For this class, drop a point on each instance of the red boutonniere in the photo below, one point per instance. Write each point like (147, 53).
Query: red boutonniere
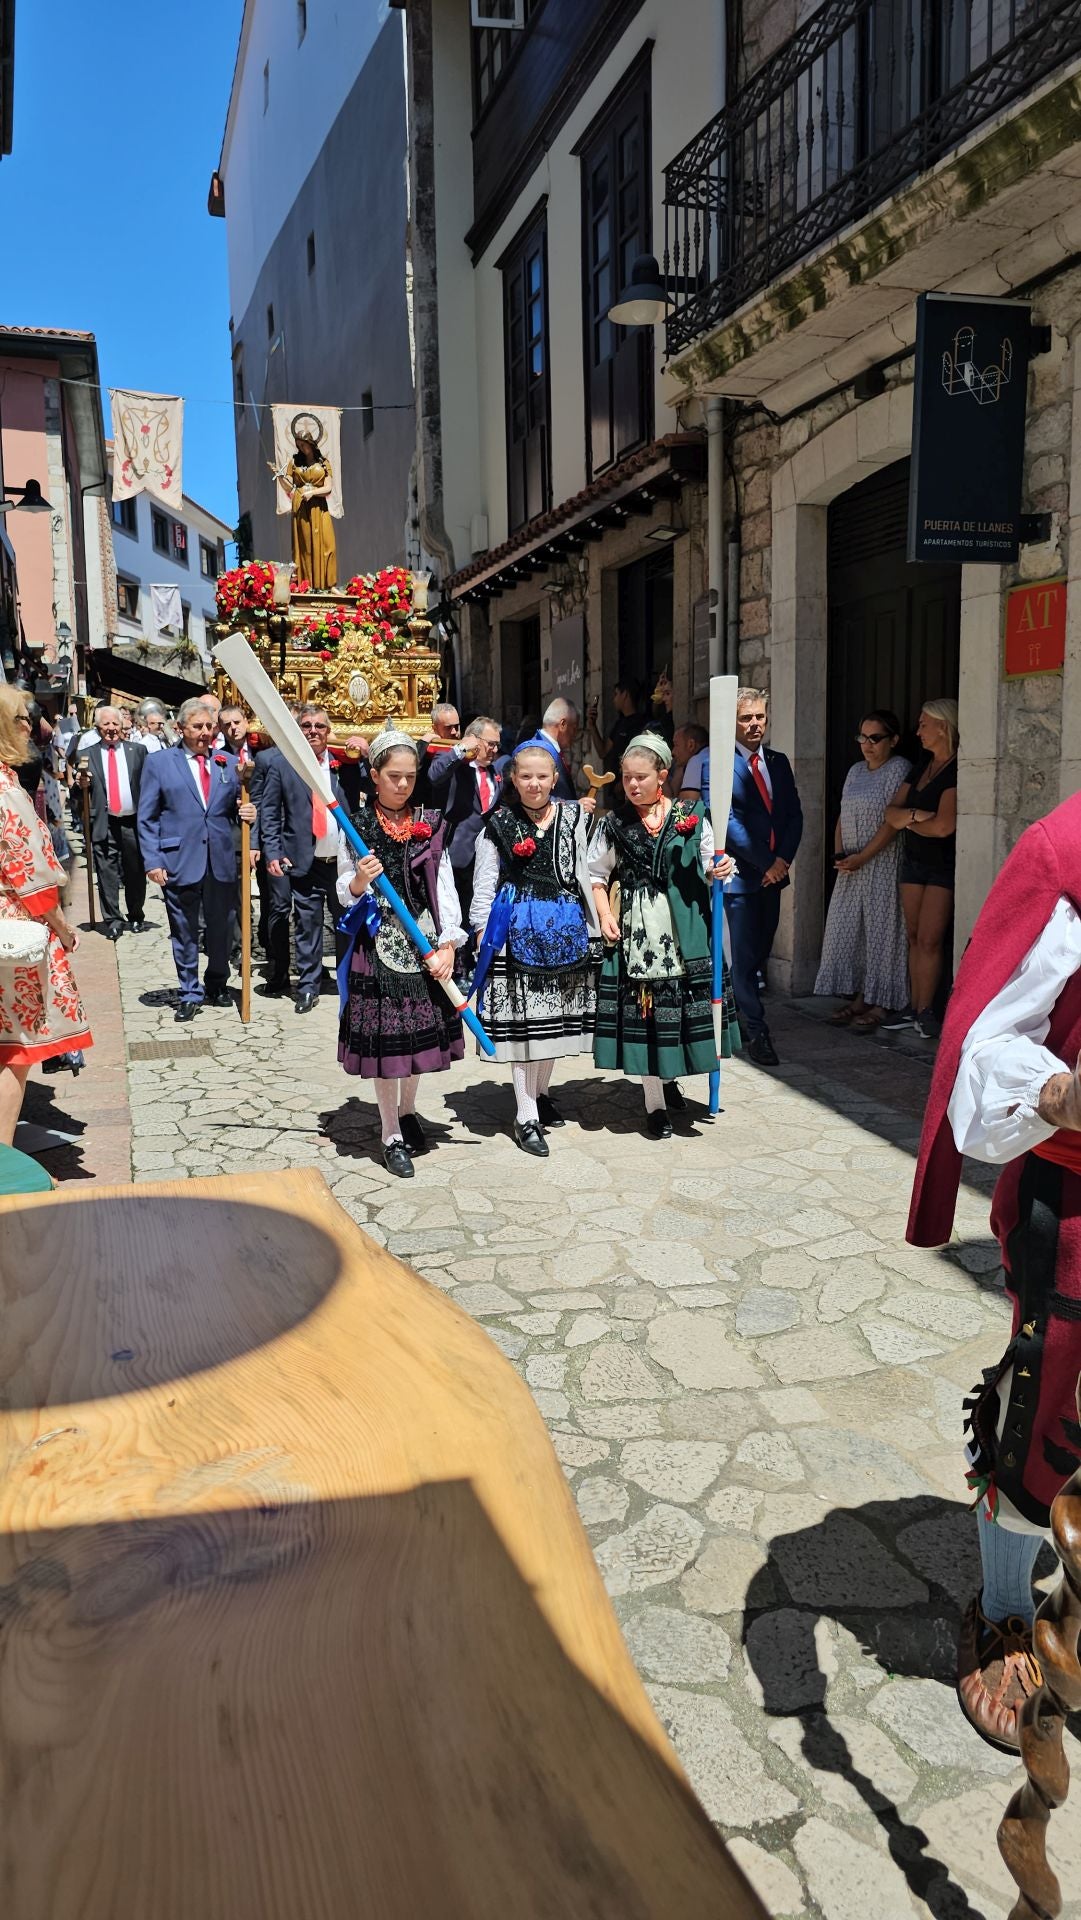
(421, 830)
(687, 824)
(525, 849)
(221, 759)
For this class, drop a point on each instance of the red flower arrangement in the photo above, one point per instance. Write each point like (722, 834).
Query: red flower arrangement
(421, 830)
(525, 849)
(245, 589)
(688, 824)
(384, 593)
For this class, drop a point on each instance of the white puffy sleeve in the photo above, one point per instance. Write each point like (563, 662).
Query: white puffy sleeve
(1004, 1063)
(347, 866)
(602, 855)
(581, 870)
(451, 931)
(708, 845)
(485, 881)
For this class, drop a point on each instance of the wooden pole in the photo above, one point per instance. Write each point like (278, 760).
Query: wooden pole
(84, 767)
(244, 775)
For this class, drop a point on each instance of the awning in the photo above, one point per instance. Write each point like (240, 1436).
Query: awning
(120, 675)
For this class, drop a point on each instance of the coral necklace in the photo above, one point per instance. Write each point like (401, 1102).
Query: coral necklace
(396, 826)
(651, 827)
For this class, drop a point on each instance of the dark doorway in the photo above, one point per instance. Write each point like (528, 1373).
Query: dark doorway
(894, 626)
(645, 620)
(520, 650)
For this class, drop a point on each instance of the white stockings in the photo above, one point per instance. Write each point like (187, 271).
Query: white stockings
(654, 1092)
(387, 1094)
(524, 1078)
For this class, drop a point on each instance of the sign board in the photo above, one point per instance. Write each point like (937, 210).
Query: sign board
(1035, 639)
(566, 669)
(968, 429)
(700, 649)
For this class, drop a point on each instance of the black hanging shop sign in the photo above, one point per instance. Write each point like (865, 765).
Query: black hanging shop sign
(968, 428)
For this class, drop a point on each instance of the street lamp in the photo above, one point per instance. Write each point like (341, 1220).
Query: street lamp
(30, 499)
(63, 637)
(646, 299)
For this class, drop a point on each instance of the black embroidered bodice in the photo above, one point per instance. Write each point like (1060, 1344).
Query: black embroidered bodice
(553, 867)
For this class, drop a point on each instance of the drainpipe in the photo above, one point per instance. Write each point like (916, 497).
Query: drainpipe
(731, 633)
(715, 526)
(434, 538)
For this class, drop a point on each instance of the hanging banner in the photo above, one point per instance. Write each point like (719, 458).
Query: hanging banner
(567, 658)
(308, 438)
(968, 429)
(148, 432)
(167, 609)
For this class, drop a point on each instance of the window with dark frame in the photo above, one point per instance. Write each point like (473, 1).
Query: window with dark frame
(122, 515)
(616, 227)
(311, 253)
(527, 378)
(127, 598)
(492, 49)
(159, 531)
(208, 560)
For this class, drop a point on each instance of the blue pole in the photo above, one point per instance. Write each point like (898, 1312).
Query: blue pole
(717, 946)
(397, 906)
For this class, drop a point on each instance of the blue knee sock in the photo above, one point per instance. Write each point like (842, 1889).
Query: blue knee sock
(1008, 1560)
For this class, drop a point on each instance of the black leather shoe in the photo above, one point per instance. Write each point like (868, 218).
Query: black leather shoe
(763, 1052)
(550, 1115)
(138, 926)
(187, 1010)
(528, 1136)
(306, 1001)
(658, 1125)
(115, 931)
(413, 1133)
(273, 989)
(674, 1097)
(221, 999)
(396, 1160)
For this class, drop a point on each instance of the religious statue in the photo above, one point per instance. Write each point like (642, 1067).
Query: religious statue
(309, 481)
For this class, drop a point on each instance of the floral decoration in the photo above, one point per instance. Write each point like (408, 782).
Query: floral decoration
(687, 823)
(421, 830)
(382, 602)
(525, 849)
(384, 593)
(245, 589)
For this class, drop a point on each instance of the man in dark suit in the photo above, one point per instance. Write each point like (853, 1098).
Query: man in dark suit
(299, 842)
(188, 803)
(465, 786)
(765, 827)
(114, 772)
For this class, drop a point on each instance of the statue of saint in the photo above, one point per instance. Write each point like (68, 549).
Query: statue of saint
(309, 483)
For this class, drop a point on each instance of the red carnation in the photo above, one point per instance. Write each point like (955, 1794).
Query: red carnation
(421, 830)
(687, 824)
(221, 760)
(525, 849)
(325, 654)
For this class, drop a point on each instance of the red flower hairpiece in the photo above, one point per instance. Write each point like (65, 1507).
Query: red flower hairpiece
(421, 830)
(525, 849)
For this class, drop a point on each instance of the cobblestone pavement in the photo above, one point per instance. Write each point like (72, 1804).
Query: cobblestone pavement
(753, 1386)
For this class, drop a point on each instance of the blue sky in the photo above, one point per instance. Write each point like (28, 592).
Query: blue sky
(119, 112)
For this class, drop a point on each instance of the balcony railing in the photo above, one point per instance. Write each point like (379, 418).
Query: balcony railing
(867, 96)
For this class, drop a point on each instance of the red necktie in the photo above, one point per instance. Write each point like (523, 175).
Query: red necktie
(204, 778)
(485, 785)
(112, 780)
(319, 817)
(760, 782)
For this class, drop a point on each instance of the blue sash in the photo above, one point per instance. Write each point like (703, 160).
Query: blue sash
(363, 916)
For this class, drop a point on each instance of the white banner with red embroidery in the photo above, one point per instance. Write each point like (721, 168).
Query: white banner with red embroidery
(148, 432)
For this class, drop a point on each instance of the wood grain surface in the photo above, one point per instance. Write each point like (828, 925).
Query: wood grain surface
(297, 1618)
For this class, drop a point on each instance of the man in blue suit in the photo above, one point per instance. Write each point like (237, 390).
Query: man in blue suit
(301, 861)
(465, 786)
(765, 827)
(188, 802)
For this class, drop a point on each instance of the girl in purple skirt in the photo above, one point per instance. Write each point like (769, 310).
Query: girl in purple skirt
(396, 1021)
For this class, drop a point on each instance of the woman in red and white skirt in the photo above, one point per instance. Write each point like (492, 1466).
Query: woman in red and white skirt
(41, 1014)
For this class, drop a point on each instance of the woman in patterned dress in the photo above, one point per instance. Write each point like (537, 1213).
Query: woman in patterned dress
(41, 1015)
(397, 1022)
(864, 950)
(654, 1002)
(537, 935)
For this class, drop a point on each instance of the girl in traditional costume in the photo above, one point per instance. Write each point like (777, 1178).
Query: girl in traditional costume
(396, 1022)
(538, 937)
(650, 863)
(41, 1014)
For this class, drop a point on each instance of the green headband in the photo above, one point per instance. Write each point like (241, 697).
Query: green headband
(649, 743)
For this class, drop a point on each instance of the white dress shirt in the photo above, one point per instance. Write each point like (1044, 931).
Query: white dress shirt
(153, 742)
(763, 768)
(326, 846)
(127, 803)
(1004, 1063)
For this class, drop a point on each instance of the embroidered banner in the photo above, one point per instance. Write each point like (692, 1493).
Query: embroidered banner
(148, 431)
(322, 428)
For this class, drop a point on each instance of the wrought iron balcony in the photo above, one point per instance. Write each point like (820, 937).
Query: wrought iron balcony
(866, 97)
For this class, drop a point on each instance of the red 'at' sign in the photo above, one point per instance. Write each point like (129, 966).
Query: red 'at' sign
(1035, 628)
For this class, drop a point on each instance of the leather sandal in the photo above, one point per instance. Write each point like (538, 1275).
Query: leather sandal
(997, 1671)
(844, 1014)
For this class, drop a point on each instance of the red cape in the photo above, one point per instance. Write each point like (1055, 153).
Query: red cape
(1044, 865)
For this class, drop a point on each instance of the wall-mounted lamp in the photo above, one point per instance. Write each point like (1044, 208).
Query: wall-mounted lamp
(30, 499)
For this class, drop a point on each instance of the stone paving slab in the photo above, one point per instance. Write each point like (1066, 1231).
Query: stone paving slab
(753, 1386)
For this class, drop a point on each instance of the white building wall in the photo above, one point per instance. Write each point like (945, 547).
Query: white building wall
(137, 559)
(687, 68)
(267, 154)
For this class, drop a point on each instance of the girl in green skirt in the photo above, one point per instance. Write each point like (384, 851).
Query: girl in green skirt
(650, 863)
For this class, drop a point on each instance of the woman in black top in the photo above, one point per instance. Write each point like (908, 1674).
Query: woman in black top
(925, 814)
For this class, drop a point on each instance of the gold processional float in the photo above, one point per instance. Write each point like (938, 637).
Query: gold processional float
(361, 651)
